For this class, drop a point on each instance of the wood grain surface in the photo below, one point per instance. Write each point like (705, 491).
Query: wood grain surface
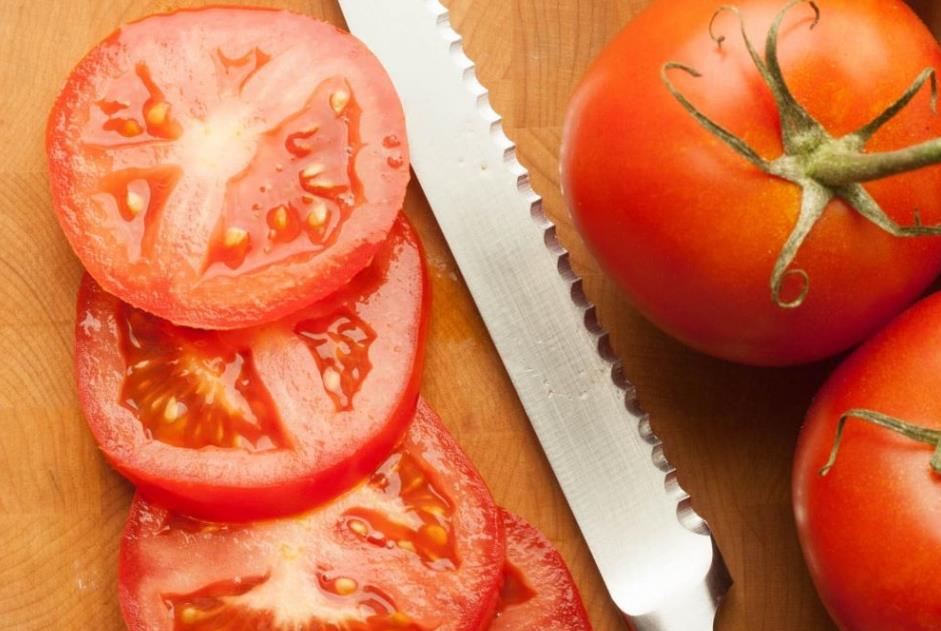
(730, 430)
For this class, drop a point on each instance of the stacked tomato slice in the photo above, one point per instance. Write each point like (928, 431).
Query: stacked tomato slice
(262, 421)
(532, 561)
(401, 551)
(250, 337)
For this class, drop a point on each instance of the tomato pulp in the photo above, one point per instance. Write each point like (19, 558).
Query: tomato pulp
(692, 231)
(234, 425)
(419, 546)
(871, 526)
(538, 593)
(224, 167)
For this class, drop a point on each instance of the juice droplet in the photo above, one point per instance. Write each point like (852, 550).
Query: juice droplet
(395, 160)
(390, 142)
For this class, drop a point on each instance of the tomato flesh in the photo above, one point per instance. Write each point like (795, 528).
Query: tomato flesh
(191, 389)
(340, 345)
(515, 591)
(430, 537)
(223, 167)
(538, 593)
(242, 424)
(419, 546)
(312, 192)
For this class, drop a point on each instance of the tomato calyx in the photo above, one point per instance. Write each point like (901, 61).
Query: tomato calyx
(920, 434)
(823, 166)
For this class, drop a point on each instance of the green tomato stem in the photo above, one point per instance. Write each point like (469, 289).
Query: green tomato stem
(919, 434)
(839, 168)
(823, 167)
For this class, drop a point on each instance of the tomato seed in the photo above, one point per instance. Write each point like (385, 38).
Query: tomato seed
(344, 586)
(339, 100)
(157, 114)
(234, 237)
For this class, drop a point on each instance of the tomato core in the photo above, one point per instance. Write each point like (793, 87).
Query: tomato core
(297, 188)
(217, 607)
(418, 520)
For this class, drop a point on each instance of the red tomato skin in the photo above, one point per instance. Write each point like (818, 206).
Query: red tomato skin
(871, 528)
(479, 521)
(264, 485)
(178, 292)
(690, 231)
(556, 604)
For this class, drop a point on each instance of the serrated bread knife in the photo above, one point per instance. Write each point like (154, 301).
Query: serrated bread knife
(657, 557)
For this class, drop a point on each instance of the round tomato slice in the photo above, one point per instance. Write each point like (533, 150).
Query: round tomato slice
(224, 167)
(538, 593)
(234, 425)
(418, 546)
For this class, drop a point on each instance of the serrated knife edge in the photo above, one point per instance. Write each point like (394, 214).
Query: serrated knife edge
(689, 569)
(686, 515)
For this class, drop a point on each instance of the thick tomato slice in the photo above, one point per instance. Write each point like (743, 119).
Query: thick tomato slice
(224, 167)
(418, 546)
(234, 425)
(538, 593)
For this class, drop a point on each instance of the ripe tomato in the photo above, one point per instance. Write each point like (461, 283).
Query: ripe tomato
(692, 231)
(538, 593)
(418, 547)
(240, 424)
(871, 527)
(224, 167)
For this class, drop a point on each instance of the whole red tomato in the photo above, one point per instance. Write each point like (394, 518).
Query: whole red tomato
(871, 527)
(701, 235)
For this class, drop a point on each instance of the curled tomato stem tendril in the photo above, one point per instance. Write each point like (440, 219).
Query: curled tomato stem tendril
(919, 434)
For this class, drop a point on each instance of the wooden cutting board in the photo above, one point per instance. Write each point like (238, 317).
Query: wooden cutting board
(730, 430)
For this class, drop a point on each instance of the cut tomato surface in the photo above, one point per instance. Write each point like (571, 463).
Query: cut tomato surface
(234, 425)
(418, 546)
(538, 592)
(224, 167)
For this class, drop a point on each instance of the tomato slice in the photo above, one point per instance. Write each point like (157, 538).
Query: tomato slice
(234, 425)
(224, 167)
(418, 546)
(538, 593)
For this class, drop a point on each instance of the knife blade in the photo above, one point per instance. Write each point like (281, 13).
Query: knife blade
(655, 554)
